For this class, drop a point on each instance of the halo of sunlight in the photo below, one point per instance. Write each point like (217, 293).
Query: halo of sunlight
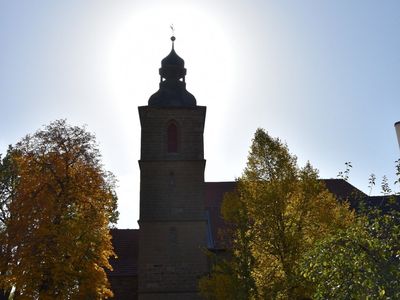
(136, 48)
(143, 40)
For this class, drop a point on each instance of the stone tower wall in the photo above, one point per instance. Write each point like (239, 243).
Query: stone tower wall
(172, 220)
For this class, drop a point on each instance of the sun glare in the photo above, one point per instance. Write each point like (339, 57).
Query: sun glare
(143, 40)
(136, 49)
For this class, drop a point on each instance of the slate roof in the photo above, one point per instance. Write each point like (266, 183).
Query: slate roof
(126, 247)
(342, 189)
(214, 194)
(345, 191)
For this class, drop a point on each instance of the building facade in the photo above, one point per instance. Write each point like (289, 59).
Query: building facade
(172, 234)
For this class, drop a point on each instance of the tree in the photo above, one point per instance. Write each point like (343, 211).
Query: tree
(278, 213)
(8, 180)
(59, 214)
(231, 278)
(360, 262)
(363, 260)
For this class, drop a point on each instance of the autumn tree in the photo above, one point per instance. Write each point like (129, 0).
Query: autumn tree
(8, 180)
(279, 211)
(58, 215)
(232, 278)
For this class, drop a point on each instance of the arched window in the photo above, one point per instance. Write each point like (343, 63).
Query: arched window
(172, 137)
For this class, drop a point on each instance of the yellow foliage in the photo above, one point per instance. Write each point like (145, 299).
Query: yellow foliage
(219, 287)
(58, 228)
(279, 211)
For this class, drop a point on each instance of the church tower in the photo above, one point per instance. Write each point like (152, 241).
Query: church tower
(172, 218)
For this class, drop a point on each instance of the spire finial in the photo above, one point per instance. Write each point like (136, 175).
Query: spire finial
(173, 34)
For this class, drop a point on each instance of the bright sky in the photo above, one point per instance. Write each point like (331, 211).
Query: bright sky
(324, 76)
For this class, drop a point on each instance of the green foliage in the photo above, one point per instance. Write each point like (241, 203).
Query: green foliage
(363, 260)
(345, 174)
(371, 182)
(57, 203)
(360, 262)
(397, 171)
(386, 190)
(225, 280)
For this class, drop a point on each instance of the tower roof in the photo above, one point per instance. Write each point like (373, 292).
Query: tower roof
(172, 59)
(172, 92)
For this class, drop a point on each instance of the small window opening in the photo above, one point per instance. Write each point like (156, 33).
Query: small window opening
(172, 138)
(171, 179)
(173, 236)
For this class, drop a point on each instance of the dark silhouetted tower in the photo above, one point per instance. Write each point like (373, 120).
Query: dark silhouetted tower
(172, 219)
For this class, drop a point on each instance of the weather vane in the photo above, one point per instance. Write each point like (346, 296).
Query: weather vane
(173, 34)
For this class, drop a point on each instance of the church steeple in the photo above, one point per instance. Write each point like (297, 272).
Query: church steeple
(172, 92)
(173, 224)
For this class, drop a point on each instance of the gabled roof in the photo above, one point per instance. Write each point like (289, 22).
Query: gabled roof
(214, 195)
(344, 191)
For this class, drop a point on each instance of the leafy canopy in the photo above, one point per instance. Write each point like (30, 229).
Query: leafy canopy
(363, 260)
(278, 212)
(57, 205)
(360, 262)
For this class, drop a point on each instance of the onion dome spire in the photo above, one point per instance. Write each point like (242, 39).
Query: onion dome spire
(173, 40)
(172, 92)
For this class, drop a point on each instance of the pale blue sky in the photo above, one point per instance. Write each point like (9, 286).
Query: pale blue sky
(321, 75)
